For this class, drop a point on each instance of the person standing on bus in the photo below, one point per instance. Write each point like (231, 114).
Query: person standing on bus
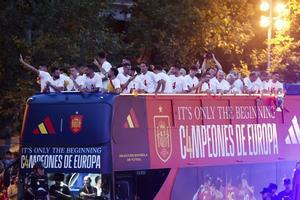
(114, 84)
(104, 66)
(147, 78)
(124, 76)
(177, 79)
(37, 185)
(56, 84)
(78, 80)
(88, 192)
(135, 84)
(163, 82)
(191, 81)
(42, 73)
(93, 81)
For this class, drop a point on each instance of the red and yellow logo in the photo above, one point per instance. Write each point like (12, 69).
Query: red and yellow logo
(76, 123)
(162, 137)
(131, 120)
(45, 127)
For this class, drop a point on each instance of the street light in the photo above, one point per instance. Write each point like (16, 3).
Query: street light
(267, 21)
(280, 24)
(264, 6)
(280, 7)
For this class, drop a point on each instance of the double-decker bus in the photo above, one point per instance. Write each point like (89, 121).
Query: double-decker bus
(162, 146)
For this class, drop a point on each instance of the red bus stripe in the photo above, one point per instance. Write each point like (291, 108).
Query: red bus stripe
(49, 125)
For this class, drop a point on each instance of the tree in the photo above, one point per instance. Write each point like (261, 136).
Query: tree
(285, 46)
(170, 31)
(52, 32)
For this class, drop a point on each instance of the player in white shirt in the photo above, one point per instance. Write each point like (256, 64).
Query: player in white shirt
(252, 86)
(114, 84)
(177, 80)
(135, 83)
(124, 76)
(104, 66)
(213, 82)
(93, 81)
(234, 88)
(191, 82)
(205, 87)
(78, 80)
(56, 84)
(265, 85)
(162, 80)
(274, 84)
(42, 73)
(147, 78)
(222, 85)
(68, 83)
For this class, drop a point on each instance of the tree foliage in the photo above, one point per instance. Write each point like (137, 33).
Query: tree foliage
(170, 31)
(51, 32)
(285, 45)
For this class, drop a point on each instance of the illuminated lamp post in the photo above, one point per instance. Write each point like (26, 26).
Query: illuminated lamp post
(269, 21)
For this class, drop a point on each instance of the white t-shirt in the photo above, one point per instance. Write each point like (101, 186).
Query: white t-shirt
(223, 85)
(166, 78)
(57, 83)
(106, 66)
(123, 79)
(213, 83)
(95, 82)
(190, 82)
(44, 77)
(68, 81)
(235, 90)
(265, 86)
(148, 80)
(177, 83)
(135, 84)
(204, 87)
(274, 87)
(238, 84)
(253, 86)
(80, 80)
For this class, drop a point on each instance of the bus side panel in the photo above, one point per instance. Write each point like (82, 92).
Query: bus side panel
(130, 134)
(204, 131)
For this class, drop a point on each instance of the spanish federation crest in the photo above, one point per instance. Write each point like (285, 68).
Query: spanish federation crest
(162, 135)
(76, 123)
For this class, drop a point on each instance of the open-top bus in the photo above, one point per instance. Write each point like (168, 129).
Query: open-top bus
(162, 146)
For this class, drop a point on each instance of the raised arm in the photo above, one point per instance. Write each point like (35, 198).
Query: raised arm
(28, 66)
(204, 65)
(97, 63)
(217, 62)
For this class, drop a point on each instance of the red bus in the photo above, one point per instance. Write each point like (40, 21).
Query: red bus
(162, 146)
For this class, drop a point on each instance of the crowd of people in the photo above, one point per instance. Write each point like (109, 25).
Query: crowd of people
(217, 190)
(9, 176)
(100, 76)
